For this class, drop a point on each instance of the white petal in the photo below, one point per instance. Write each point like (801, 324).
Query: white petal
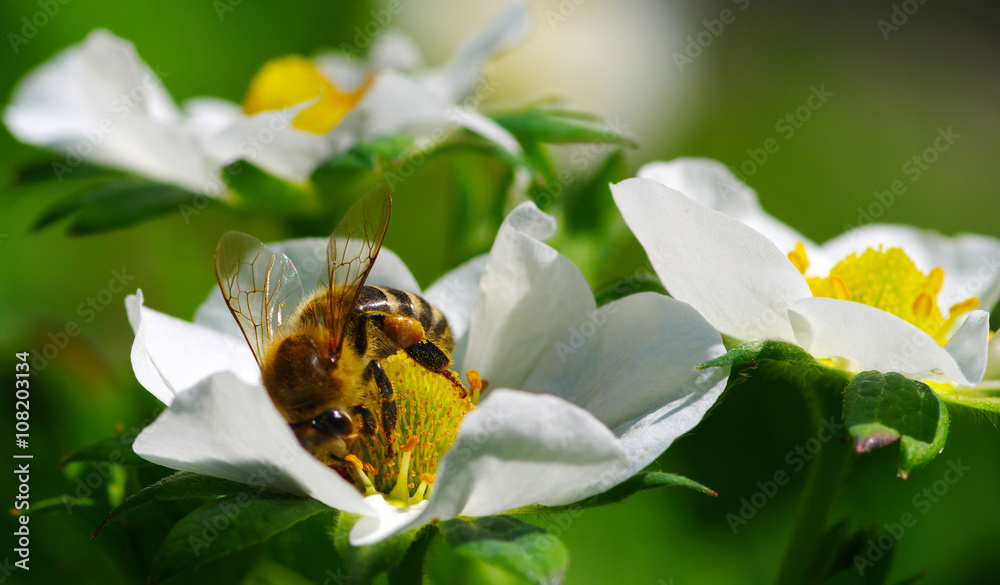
(734, 276)
(345, 71)
(455, 295)
(633, 366)
(100, 102)
(170, 355)
(458, 78)
(712, 184)
(308, 255)
(394, 49)
(206, 116)
(528, 295)
(871, 339)
(971, 263)
(517, 449)
(969, 346)
(226, 428)
(269, 141)
(389, 520)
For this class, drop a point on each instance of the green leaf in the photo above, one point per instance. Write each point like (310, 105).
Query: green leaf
(116, 450)
(550, 125)
(228, 525)
(180, 486)
(119, 204)
(257, 190)
(57, 170)
(880, 408)
(590, 204)
(511, 544)
(64, 503)
(364, 563)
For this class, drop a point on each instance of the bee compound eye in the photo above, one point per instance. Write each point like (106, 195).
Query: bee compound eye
(334, 422)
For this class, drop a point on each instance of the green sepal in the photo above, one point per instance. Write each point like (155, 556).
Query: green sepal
(640, 482)
(549, 125)
(880, 408)
(182, 485)
(987, 400)
(258, 190)
(778, 358)
(364, 563)
(514, 545)
(114, 450)
(228, 525)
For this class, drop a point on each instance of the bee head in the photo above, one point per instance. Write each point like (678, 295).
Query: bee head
(325, 434)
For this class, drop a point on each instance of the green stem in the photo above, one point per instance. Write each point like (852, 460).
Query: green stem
(827, 470)
(410, 571)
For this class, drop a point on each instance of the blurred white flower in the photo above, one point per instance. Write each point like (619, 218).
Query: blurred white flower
(99, 101)
(869, 299)
(580, 397)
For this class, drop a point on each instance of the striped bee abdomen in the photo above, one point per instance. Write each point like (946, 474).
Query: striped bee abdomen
(392, 301)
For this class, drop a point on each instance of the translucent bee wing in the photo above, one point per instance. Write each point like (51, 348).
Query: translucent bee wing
(350, 255)
(262, 289)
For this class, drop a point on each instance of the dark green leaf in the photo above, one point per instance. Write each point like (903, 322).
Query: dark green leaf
(364, 563)
(514, 545)
(64, 207)
(58, 170)
(553, 126)
(590, 204)
(228, 525)
(880, 408)
(180, 486)
(260, 191)
(116, 450)
(119, 204)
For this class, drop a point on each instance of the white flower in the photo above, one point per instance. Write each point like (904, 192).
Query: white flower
(866, 300)
(99, 101)
(580, 397)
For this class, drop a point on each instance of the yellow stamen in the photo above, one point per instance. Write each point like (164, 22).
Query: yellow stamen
(353, 459)
(964, 306)
(888, 280)
(840, 290)
(430, 406)
(289, 81)
(923, 306)
(477, 384)
(934, 280)
(799, 258)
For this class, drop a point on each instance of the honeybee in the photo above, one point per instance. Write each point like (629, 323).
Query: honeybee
(317, 353)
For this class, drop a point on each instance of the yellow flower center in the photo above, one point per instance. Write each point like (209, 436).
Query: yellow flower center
(887, 280)
(288, 81)
(430, 407)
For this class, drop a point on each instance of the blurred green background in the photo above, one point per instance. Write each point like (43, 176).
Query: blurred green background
(892, 91)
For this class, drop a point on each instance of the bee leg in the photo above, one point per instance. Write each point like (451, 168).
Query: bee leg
(368, 425)
(429, 356)
(375, 371)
